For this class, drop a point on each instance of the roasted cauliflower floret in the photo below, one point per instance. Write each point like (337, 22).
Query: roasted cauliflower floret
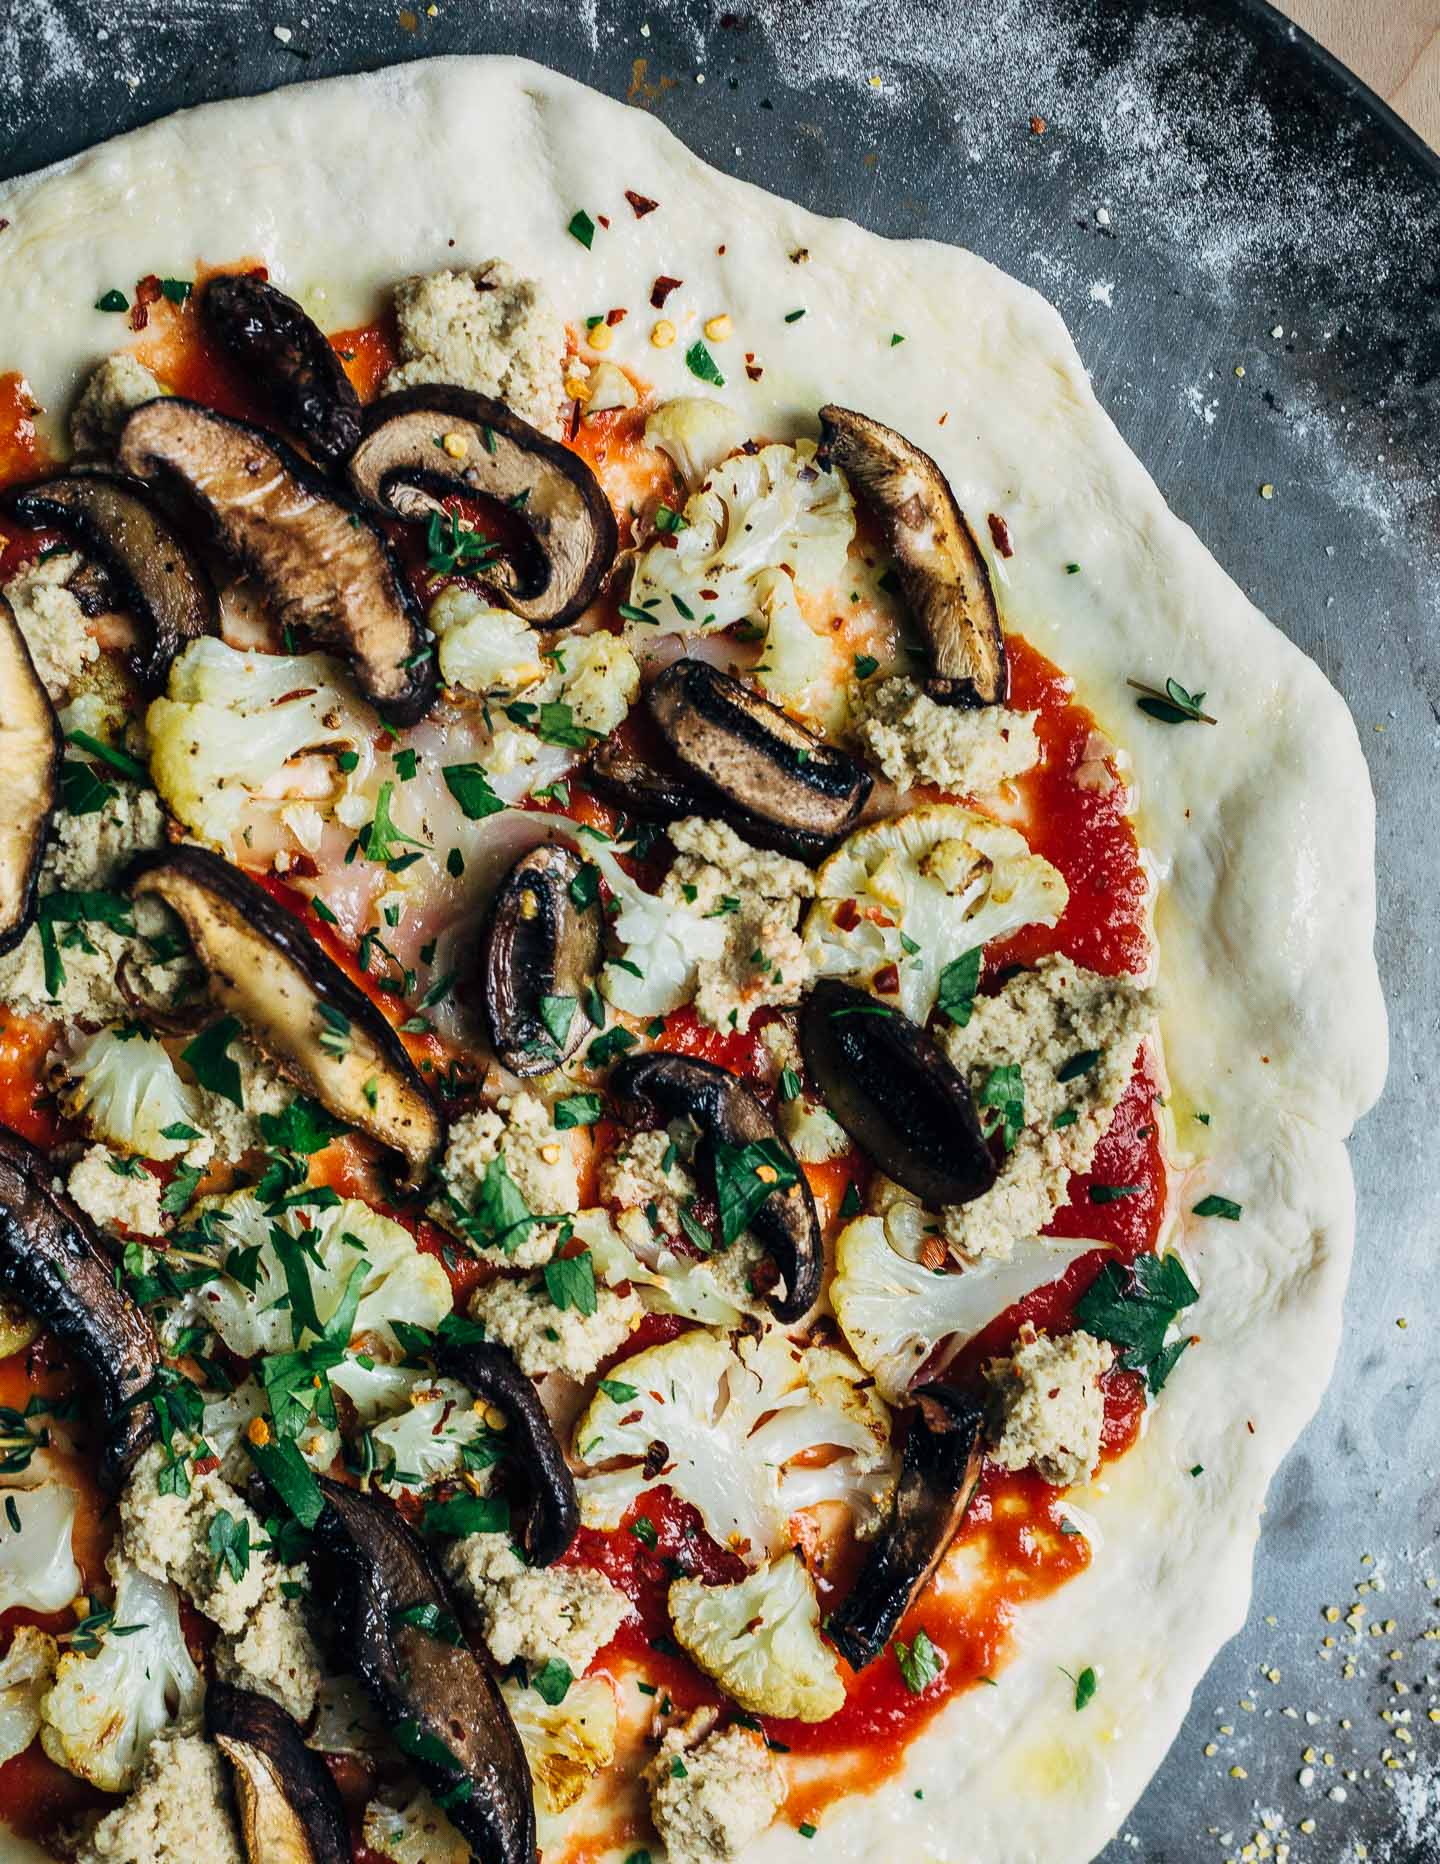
(37, 1562)
(703, 1401)
(124, 1087)
(567, 1742)
(760, 1640)
(911, 895)
(697, 432)
(27, 1671)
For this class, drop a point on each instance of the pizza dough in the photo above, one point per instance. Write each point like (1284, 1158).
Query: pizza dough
(1260, 830)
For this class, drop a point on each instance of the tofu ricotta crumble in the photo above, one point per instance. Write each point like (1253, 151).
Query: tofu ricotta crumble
(585, 1009)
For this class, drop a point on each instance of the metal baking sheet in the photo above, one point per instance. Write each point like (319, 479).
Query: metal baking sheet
(1245, 245)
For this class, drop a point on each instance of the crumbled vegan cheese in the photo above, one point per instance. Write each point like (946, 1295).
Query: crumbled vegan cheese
(545, 1338)
(490, 330)
(709, 1801)
(103, 1184)
(232, 1131)
(756, 896)
(1046, 1406)
(87, 852)
(913, 740)
(117, 385)
(539, 1158)
(180, 1810)
(89, 953)
(52, 621)
(265, 1645)
(645, 1169)
(414, 1833)
(1057, 1019)
(535, 1613)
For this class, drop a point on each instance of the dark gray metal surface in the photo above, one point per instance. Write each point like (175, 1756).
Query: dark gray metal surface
(1209, 195)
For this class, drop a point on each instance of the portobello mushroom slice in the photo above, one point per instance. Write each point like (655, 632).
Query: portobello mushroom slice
(899, 1098)
(441, 1702)
(290, 1808)
(149, 569)
(539, 955)
(939, 1472)
(431, 442)
(619, 776)
(294, 1000)
(489, 1370)
(288, 358)
(323, 563)
(937, 559)
(52, 1263)
(773, 780)
(726, 1112)
(30, 751)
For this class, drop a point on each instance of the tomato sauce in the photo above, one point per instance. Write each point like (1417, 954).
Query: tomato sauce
(1011, 1549)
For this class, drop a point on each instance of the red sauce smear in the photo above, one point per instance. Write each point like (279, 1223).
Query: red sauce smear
(1079, 826)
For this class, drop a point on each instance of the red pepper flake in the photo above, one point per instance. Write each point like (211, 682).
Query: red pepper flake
(603, 221)
(203, 1465)
(615, 316)
(662, 288)
(1037, 126)
(147, 292)
(754, 371)
(887, 979)
(943, 418)
(3, 225)
(764, 1276)
(1000, 535)
(640, 203)
(720, 251)
(575, 419)
(847, 915)
(709, 595)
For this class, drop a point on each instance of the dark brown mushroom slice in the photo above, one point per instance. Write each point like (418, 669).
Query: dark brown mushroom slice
(295, 1002)
(378, 1587)
(53, 1264)
(432, 442)
(290, 1808)
(539, 956)
(939, 1472)
(643, 790)
(937, 559)
(489, 1370)
(149, 568)
(287, 357)
(724, 1109)
(322, 562)
(900, 1099)
(763, 771)
(31, 747)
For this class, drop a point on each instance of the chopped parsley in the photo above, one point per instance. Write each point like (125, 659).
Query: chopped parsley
(470, 786)
(958, 983)
(1134, 1308)
(208, 1059)
(744, 1177)
(701, 363)
(582, 227)
(570, 1282)
(920, 1662)
(1214, 1206)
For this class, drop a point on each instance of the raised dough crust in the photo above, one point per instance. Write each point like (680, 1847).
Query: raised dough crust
(1261, 829)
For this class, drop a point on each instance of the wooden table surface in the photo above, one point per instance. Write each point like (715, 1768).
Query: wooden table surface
(1394, 45)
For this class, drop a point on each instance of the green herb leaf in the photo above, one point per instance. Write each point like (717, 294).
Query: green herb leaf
(558, 1015)
(865, 665)
(208, 1058)
(920, 1663)
(1078, 1065)
(1174, 706)
(470, 787)
(570, 1281)
(645, 1531)
(605, 1049)
(958, 983)
(181, 1189)
(1214, 1206)
(449, 549)
(577, 1110)
(1111, 1193)
(551, 1682)
(83, 791)
(1003, 1091)
(1085, 1687)
(582, 227)
(1135, 1308)
(122, 761)
(112, 300)
(430, 1618)
(699, 361)
(304, 1127)
(789, 1084)
(740, 1187)
(618, 1390)
(287, 1473)
(229, 1543)
(467, 1514)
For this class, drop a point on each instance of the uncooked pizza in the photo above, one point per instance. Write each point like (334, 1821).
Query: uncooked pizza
(682, 989)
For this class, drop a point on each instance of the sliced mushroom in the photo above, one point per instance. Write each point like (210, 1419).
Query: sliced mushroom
(288, 358)
(724, 1109)
(777, 783)
(899, 1098)
(937, 559)
(444, 1708)
(290, 1808)
(489, 1370)
(294, 1000)
(643, 790)
(432, 442)
(149, 569)
(939, 1473)
(52, 1263)
(539, 957)
(30, 752)
(323, 563)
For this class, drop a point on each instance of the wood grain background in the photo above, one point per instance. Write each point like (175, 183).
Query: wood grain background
(1394, 45)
